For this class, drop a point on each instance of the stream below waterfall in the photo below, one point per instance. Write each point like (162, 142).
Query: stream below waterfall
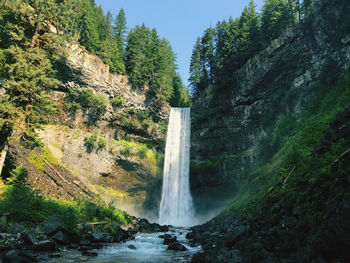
(149, 248)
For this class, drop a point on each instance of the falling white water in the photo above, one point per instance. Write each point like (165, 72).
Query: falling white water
(176, 205)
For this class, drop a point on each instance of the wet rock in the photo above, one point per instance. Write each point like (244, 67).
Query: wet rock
(165, 236)
(10, 241)
(52, 225)
(45, 245)
(84, 248)
(17, 256)
(177, 247)
(168, 241)
(122, 237)
(60, 238)
(101, 237)
(29, 238)
(89, 254)
(132, 247)
(84, 242)
(190, 235)
(164, 229)
(97, 237)
(54, 256)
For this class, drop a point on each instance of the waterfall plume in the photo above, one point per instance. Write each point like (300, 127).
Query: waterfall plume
(176, 206)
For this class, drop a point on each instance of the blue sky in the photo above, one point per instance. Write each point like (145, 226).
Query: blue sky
(180, 21)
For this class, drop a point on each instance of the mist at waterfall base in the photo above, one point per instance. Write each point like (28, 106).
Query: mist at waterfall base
(176, 206)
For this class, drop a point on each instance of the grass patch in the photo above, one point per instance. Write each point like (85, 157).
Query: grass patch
(36, 160)
(110, 192)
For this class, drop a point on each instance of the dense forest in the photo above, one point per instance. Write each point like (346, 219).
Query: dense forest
(33, 39)
(221, 51)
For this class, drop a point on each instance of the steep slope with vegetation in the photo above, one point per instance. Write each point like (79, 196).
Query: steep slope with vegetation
(84, 103)
(257, 103)
(276, 139)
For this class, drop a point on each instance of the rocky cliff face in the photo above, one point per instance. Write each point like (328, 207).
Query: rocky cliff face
(229, 128)
(117, 156)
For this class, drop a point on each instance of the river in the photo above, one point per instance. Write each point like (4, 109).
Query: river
(149, 248)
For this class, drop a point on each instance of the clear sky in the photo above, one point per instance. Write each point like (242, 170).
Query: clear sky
(180, 21)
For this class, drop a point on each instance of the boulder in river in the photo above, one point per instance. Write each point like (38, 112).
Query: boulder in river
(168, 241)
(101, 237)
(132, 247)
(177, 247)
(165, 236)
(89, 254)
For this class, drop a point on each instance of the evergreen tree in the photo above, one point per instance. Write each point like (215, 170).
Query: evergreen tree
(195, 69)
(30, 78)
(165, 71)
(180, 97)
(229, 52)
(250, 37)
(276, 16)
(109, 49)
(207, 56)
(120, 30)
(135, 54)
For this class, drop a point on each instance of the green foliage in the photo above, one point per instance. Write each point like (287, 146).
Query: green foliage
(29, 78)
(287, 153)
(35, 207)
(150, 61)
(219, 53)
(18, 175)
(119, 31)
(36, 160)
(117, 102)
(276, 16)
(94, 105)
(91, 142)
(101, 143)
(142, 151)
(126, 150)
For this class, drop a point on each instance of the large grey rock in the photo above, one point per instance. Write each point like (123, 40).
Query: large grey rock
(177, 247)
(168, 241)
(132, 247)
(52, 225)
(60, 237)
(29, 238)
(102, 237)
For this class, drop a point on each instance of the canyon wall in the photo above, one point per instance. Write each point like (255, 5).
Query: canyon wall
(230, 127)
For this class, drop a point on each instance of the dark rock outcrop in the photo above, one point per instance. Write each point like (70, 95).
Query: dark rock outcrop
(176, 246)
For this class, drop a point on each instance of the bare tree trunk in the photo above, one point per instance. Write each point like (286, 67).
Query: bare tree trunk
(3, 156)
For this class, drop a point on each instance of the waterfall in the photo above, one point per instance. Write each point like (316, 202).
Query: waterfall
(176, 204)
